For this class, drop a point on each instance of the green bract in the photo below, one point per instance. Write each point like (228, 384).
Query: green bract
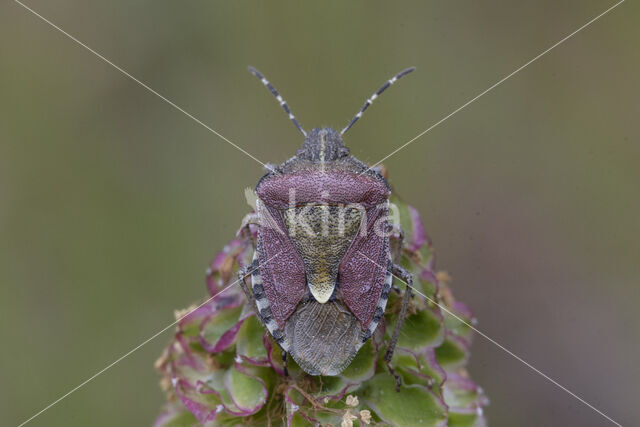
(221, 368)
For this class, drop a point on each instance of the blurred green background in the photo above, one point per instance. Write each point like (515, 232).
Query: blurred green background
(112, 203)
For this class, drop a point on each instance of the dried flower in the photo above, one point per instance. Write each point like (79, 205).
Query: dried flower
(352, 400)
(365, 416)
(347, 419)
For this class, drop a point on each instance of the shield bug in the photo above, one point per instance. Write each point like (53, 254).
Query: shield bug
(322, 269)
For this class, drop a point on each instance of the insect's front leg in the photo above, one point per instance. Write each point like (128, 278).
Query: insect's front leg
(242, 276)
(406, 277)
(245, 231)
(396, 233)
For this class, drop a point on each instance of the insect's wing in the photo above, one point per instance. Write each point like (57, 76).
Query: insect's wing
(363, 269)
(281, 267)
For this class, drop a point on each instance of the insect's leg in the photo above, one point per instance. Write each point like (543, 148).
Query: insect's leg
(244, 231)
(242, 276)
(284, 363)
(406, 277)
(396, 241)
(396, 232)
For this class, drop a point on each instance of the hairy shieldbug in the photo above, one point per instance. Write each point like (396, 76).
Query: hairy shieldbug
(322, 269)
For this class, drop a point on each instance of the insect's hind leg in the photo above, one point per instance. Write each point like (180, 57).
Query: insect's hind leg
(406, 277)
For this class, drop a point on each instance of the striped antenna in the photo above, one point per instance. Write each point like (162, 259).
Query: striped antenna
(375, 95)
(275, 93)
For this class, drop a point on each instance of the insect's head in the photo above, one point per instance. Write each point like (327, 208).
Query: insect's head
(325, 144)
(322, 145)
